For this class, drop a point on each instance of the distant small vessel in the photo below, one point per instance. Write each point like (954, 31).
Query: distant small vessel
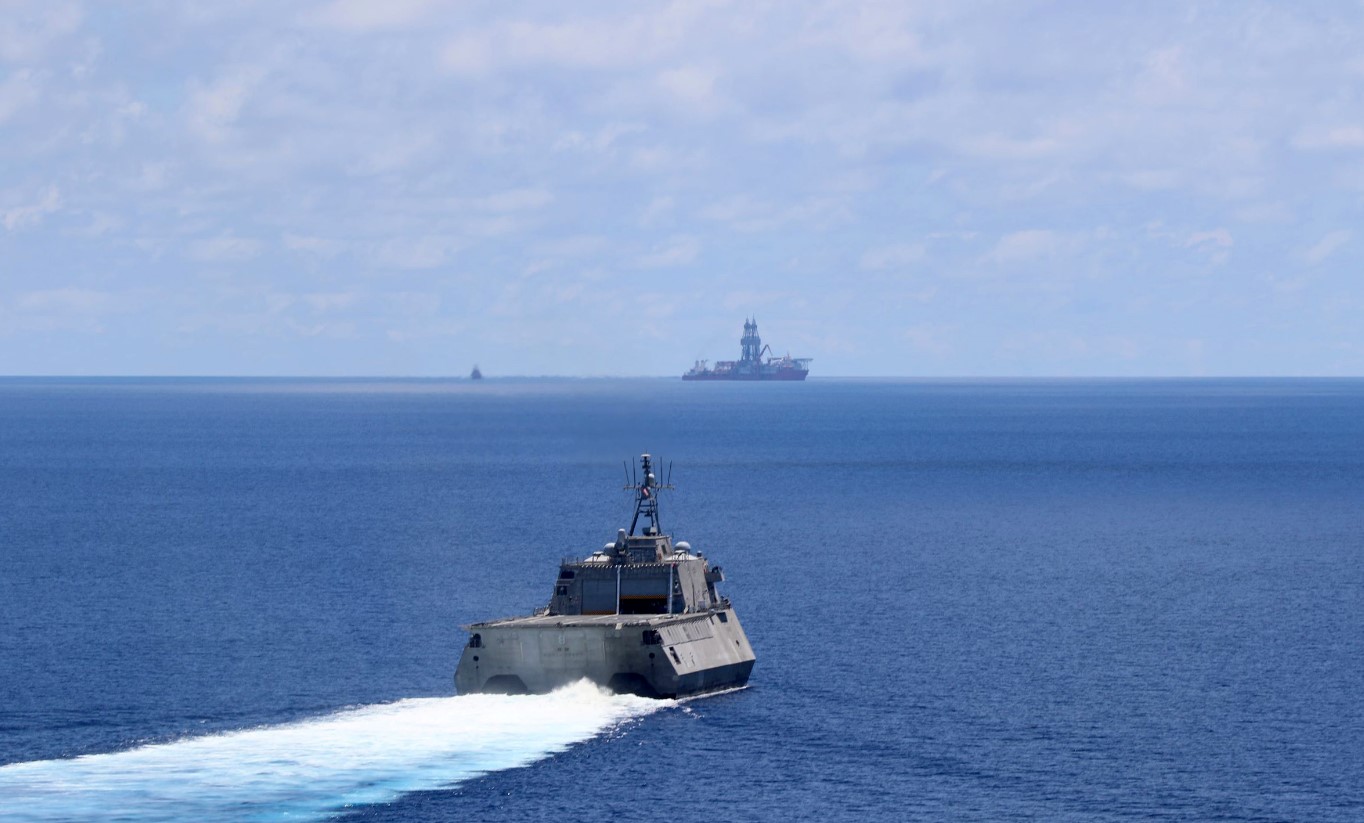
(750, 365)
(475, 374)
(641, 616)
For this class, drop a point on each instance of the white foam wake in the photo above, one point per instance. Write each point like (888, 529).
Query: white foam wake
(316, 767)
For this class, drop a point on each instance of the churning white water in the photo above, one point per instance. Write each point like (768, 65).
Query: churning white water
(316, 767)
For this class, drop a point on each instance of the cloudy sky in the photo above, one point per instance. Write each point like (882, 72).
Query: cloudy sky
(410, 187)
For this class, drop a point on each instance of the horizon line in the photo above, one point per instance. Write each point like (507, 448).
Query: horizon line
(819, 378)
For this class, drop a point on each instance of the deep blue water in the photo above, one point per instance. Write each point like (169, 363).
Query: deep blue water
(970, 600)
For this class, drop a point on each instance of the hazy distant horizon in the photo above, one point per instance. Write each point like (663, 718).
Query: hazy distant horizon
(394, 378)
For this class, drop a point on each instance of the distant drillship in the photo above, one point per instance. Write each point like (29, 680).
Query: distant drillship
(750, 365)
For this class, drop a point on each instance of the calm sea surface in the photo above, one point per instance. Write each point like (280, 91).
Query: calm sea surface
(970, 600)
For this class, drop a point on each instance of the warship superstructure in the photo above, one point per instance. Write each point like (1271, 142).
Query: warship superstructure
(751, 365)
(640, 616)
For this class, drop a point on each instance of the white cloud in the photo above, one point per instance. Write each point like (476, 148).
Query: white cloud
(564, 253)
(598, 44)
(211, 109)
(692, 86)
(876, 33)
(579, 245)
(1327, 246)
(28, 30)
(1216, 238)
(426, 252)
(412, 303)
(102, 223)
(66, 300)
(1025, 245)
(31, 213)
(657, 159)
(1004, 147)
(1216, 243)
(651, 36)
(68, 309)
(1164, 78)
(739, 207)
(892, 257)
(658, 208)
(495, 226)
(396, 151)
(18, 91)
(1152, 179)
(1265, 212)
(515, 200)
(1331, 137)
(225, 248)
(323, 302)
(931, 339)
(677, 252)
(428, 330)
(749, 300)
(311, 244)
(152, 175)
(370, 16)
(1046, 345)
(744, 213)
(605, 139)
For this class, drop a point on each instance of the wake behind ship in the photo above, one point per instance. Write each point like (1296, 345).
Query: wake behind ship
(750, 365)
(640, 616)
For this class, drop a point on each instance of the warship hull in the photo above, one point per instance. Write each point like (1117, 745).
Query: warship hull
(663, 655)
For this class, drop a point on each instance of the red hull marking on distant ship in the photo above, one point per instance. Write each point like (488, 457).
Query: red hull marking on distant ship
(799, 375)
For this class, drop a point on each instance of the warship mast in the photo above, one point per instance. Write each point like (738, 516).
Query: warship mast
(646, 498)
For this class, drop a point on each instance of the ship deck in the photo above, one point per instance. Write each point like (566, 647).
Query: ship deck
(612, 621)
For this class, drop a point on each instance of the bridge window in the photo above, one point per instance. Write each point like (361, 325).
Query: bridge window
(565, 574)
(643, 604)
(476, 641)
(651, 638)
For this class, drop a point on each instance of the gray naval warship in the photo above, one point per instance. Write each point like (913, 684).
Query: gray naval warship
(641, 616)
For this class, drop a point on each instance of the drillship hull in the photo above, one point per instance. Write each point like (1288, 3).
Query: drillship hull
(781, 375)
(665, 655)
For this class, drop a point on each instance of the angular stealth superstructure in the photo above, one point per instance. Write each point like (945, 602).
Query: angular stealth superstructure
(640, 616)
(751, 365)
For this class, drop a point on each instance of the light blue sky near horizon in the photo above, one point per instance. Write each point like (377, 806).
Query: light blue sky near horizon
(343, 187)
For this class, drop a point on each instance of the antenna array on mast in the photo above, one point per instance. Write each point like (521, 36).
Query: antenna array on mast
(646, 495)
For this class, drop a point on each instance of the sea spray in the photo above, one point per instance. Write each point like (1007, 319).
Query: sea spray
(312, 768)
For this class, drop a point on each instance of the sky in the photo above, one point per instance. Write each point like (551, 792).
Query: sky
(411, 187)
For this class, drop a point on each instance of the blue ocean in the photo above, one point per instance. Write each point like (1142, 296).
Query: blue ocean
(1078, 600)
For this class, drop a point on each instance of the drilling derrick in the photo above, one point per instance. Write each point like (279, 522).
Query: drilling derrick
(751, 357)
